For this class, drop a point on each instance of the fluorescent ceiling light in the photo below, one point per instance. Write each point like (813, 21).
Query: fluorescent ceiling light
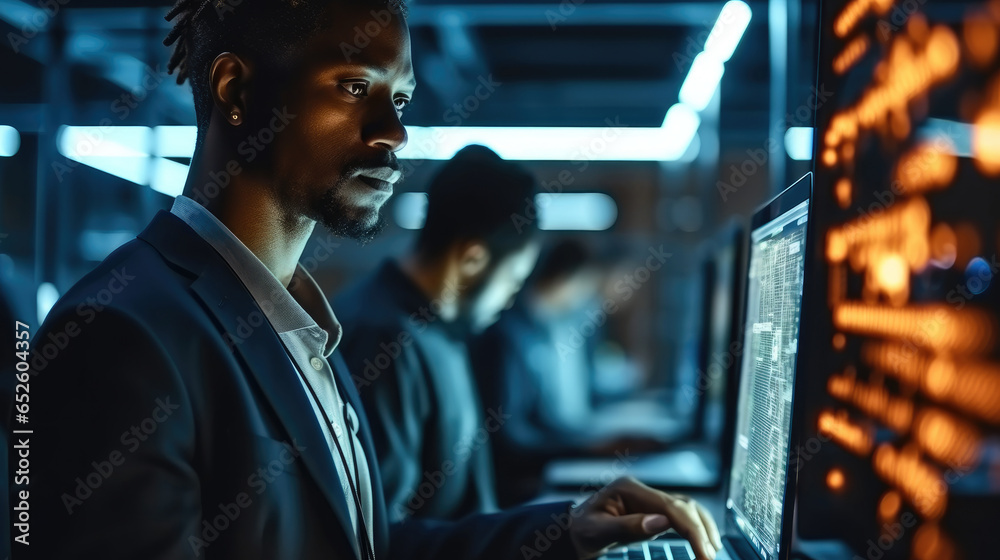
(728, 30)
(174, 141)
(108, 141)
(123, 151)
(45, 298)
(134, 169)
(701, 82)
(10, 141)
(681, 122)
(167, 176)
(576, 211)
(112, 149)
(799, 143)
(551, 143)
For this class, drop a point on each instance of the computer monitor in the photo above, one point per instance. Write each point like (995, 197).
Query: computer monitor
(760, 492)
(759, 485)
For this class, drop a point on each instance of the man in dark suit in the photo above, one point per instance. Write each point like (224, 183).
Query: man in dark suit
(405, 336)
(188, 400)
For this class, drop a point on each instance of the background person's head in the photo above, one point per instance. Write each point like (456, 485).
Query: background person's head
(304, 96)
(481, 223)
(568, 276)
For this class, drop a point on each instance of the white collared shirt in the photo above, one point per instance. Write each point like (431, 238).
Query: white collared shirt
(306, 342)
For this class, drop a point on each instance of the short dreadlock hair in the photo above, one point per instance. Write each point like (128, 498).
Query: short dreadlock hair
(267, 30)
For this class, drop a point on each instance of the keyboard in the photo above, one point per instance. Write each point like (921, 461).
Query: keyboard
(652, 550)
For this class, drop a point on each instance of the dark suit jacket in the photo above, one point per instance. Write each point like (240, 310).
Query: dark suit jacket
(169, 423)
(431, 433)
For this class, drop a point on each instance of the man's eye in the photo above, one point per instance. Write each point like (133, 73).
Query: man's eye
(401, 103)
(357, 89)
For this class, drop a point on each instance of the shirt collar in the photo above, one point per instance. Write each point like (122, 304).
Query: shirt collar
(302, 305)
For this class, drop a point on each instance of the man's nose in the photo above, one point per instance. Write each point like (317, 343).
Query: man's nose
(385, 130)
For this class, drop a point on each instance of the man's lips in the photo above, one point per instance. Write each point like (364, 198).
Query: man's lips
(377, 184)
(380, 178)
(387, 174)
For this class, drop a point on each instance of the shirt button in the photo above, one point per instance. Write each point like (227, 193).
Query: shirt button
(316, 363)
(338, 430)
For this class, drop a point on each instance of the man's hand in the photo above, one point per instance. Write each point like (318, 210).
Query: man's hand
(627, 511)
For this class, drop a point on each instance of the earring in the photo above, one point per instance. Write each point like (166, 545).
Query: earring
(234, 115)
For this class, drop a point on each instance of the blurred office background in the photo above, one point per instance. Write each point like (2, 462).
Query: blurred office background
(96, 136)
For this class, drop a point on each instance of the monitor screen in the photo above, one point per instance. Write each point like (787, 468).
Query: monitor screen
(764, 408)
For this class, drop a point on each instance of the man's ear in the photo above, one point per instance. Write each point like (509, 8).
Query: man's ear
(473, 258)
(229, 77)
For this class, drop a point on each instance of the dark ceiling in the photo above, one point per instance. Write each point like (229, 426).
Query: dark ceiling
(568, 64)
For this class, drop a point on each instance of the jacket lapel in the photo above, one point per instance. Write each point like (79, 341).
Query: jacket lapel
(350, 393)
(262, 351)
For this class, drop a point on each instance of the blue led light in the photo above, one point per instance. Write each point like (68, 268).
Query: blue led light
(978, 275)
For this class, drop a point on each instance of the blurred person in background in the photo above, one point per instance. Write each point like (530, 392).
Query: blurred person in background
(405, 336)
(537, 363)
